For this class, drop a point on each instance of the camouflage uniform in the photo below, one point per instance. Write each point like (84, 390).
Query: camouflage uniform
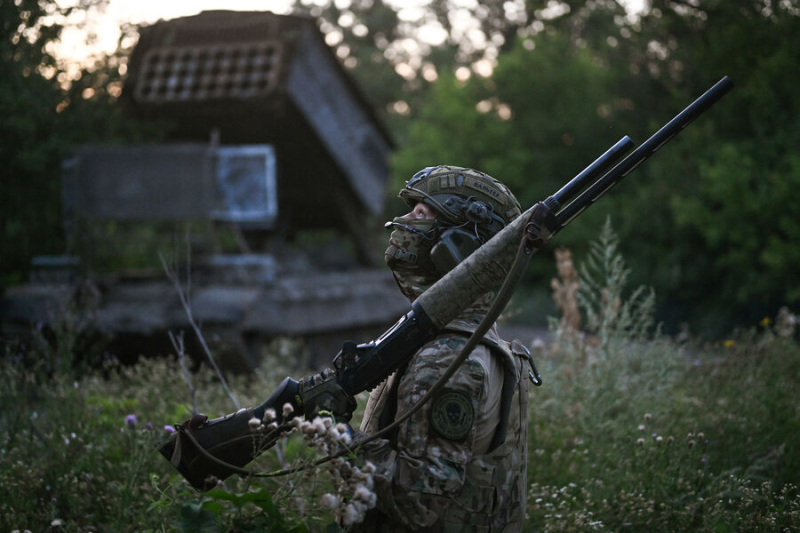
(429, 482)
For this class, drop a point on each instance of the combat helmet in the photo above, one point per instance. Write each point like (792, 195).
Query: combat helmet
(471, 207)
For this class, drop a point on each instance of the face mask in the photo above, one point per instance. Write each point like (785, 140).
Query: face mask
(408, 254)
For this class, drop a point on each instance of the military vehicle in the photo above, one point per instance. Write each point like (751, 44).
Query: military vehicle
(268, 139)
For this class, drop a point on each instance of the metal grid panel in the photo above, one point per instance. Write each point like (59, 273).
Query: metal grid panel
(211, 72)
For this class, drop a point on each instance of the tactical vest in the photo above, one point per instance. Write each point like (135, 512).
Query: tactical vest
(492, 498)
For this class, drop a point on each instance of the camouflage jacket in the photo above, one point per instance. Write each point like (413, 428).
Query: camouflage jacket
(442, 471)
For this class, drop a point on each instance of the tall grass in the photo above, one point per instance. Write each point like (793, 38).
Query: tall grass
(632, 431)
(636, 432)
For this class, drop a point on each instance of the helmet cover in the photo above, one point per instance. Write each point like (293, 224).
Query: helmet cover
(470, 207)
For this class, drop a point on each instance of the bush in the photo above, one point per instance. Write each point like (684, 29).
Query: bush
(637, 432)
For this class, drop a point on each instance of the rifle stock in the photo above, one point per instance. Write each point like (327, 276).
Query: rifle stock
(362, 367)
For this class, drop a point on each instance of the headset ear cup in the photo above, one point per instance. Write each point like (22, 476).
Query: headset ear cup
(454, 246)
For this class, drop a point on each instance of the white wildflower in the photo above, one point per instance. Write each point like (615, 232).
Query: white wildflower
(255, 424)
(269, 415)
(351, 516)
(365, 495)
(345, 438)
(329, 501)
(287, 409)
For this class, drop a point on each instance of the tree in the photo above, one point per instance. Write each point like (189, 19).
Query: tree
(43, 114)
(698, 221)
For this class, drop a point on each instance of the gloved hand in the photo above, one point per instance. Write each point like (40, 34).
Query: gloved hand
(320, 394)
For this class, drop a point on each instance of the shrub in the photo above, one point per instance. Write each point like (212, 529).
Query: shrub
(637, 432)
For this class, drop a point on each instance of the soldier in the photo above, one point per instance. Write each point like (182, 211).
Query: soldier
(459, 464)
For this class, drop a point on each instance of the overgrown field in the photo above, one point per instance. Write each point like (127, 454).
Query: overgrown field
(630, 432)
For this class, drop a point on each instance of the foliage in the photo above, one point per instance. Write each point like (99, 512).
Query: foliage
(638, 434)
(81, 452)
(43, 114)
(602, 280)
(710, 221)
(630, 432)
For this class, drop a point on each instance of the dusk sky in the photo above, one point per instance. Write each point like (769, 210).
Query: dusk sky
(105, 24)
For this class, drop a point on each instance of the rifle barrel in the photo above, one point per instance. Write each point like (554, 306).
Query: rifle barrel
(648, 148)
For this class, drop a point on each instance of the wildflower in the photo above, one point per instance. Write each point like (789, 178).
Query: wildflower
(56, 523)
(255, 424)
(287, 409)
(364, 494)
(700, 435)
(692, 443)
(169, 429)
(659, 439)
(670, 439)
(640, 442)
(654, 435)
(641, 427)
(766, 321)
(269, 415)
(696, 362)
(351, 516)
(344, 434)
(148, 426)
(329, 501)
(648, 416)
(785, 323)
(130, 420)
(729, 343)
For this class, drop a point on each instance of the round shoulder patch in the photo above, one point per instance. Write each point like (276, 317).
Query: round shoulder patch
(452, 414)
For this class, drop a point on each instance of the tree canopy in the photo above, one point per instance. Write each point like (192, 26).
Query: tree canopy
(528, 91)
